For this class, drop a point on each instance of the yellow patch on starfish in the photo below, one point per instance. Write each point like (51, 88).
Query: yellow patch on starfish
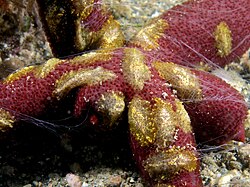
(81, 77)
(84, 8)
(102, 55)
(135, 71)
(156, 124)
(18, 74)
(167, 120)
(111, 105)
(109, 36)
(181, 79)
(223, 39)
(167, 164)
(140, 121)
(43, 70)
(6, 120)
(182, 117)
(112, 35)
(148, 37)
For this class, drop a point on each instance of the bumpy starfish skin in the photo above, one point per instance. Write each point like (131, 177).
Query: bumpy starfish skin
(169, 106)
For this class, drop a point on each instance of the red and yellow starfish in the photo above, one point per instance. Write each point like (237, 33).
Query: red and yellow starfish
(154, 78)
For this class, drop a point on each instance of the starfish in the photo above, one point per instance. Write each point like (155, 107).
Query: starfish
(154, 82)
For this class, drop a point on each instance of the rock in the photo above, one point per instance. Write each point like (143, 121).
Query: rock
(115, 181)
(225, 180)
(235, 165)
(244, 154)
(73, 180)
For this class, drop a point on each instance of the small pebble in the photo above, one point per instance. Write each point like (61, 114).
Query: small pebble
(244, 154)
(84, 184)
(37, 184)
(73, 180)
(27, 185)
(115, 181)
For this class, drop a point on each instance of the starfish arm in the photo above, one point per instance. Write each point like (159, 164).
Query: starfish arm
(216, 109)
(162, 142)
(74, 26)
(199, 32)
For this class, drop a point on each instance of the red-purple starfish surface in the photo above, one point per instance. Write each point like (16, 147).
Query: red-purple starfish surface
(156, 80)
